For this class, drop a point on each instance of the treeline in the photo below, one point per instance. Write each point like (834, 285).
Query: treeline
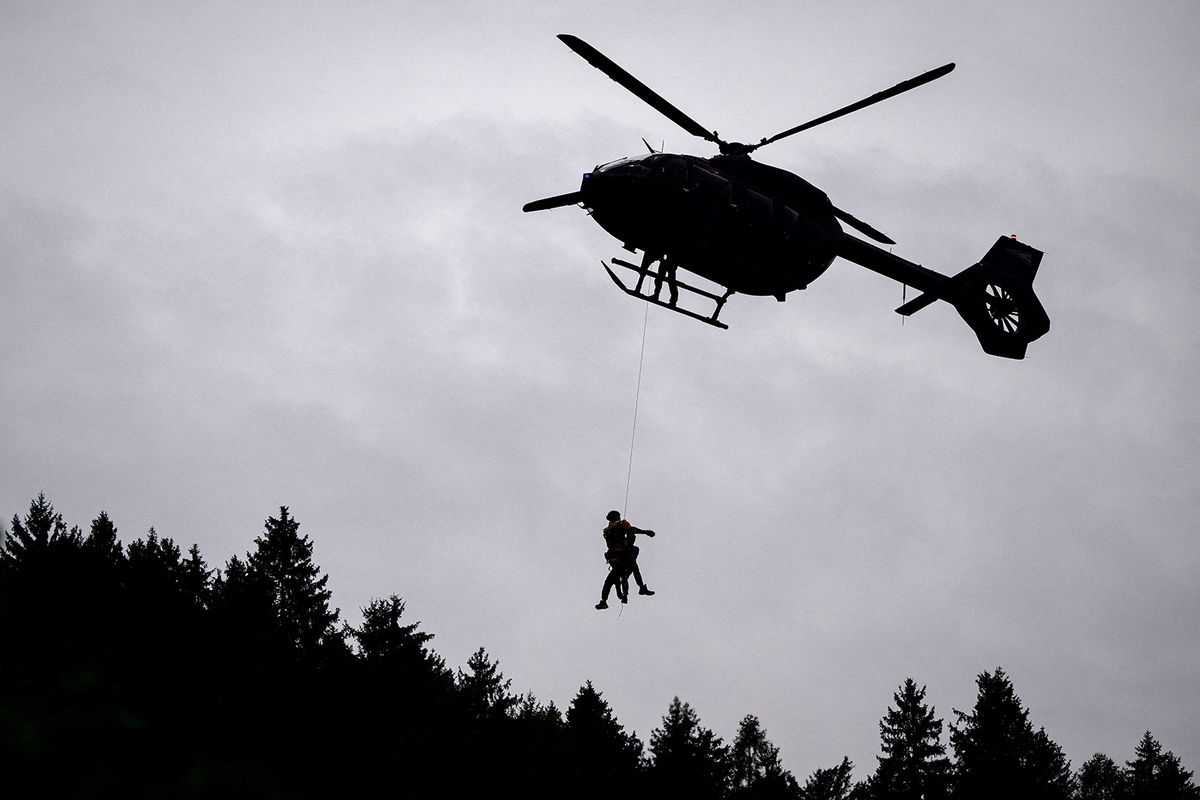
(140, 670)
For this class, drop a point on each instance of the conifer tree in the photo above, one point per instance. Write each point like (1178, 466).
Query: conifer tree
(381, 637)
(530, 712)
(689, 759)
(602, 754)
(1157, 775)
(235, 589)
(29, 541)
(102, 540)
(914, 764)
(998, 751)
(400, 655)
(283, 559)
(756, 769)
(829, 784)
(195, 578)
(155, 559)
(484, 687)
(1100, 779)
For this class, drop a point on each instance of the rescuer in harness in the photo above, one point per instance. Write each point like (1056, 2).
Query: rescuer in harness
(621, 555)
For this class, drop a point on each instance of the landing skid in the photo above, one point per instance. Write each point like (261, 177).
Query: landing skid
(645, 271)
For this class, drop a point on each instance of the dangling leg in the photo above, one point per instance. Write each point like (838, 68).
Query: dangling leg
(609, 583)
(637, 577)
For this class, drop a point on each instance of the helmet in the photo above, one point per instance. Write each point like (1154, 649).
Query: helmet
(613, 516)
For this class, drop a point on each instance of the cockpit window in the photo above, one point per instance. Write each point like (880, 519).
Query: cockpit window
(674, 166)
(645, 161)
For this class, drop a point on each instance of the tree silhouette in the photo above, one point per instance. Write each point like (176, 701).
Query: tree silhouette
(155, 565)
(381, 637)
(1154, 774)
(756, 769)
(102, 539)
(689, 759)
(829, 784)
(299, 597)
(998, 751)
(1100, 779)
(537, 748)
(601, 754)
(484, 687)
(195, 579)
(913, 765)
(140, 671)
(31, 541)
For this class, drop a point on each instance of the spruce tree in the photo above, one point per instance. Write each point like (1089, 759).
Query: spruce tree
(914, 764)
(381, 637)
(1157, 775)
(999, 754)
(195, 578)
(484, 687)
(28, 543)
(1100, 779)
(829, 784)
(601, 753)
(689, 759)
(757, 771)
(283, 559)
(155, 563)
(102, 539)
(241, 595)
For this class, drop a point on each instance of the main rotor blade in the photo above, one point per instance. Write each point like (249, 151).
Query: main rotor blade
(862, 227)
(644, 92)
(558, 201)
(899, 88)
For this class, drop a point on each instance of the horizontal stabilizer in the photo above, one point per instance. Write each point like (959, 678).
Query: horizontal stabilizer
(916, 304)
(558, 201)
(945, 291)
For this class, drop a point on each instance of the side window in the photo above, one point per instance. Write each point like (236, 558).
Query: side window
(757, 207)
(675, 169)
(708, 182)
(753, 209)
(785, 219)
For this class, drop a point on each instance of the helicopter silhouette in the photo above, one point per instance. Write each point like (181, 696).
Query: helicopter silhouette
(760, 230)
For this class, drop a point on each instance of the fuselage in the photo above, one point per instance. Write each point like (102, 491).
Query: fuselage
(750, 227)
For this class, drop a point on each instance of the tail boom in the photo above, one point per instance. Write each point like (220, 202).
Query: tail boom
(994, 297)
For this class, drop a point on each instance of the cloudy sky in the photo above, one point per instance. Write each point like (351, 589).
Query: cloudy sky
(273, 254)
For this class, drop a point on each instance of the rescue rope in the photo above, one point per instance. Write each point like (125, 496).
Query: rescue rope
(636, 401)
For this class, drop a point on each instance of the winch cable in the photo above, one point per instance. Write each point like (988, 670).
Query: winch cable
(636, 401)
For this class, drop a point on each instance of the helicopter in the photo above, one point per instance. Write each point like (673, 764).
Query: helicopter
(754, 229)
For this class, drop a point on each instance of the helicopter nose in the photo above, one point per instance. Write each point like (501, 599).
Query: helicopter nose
(601, 183)
(596, 184)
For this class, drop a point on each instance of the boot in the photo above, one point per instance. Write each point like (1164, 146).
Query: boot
(643, 589)
(601, 605)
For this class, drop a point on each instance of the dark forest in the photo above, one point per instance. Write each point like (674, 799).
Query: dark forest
(138, 670)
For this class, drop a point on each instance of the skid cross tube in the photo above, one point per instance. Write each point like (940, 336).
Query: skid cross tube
(643, 271)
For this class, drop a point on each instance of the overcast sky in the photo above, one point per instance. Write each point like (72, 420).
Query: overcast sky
(273, 254)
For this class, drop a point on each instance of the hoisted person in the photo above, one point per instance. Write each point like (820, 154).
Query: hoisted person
(621, 554)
